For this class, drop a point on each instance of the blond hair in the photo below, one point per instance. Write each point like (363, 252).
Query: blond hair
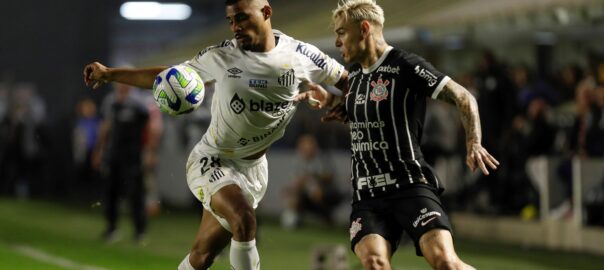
(359, 10)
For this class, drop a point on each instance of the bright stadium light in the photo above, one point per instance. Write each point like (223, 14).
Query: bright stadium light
(155, 11)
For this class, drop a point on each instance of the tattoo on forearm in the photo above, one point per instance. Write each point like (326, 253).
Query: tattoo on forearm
(468, 109)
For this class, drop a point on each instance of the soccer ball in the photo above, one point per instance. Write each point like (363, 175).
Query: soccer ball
(178, 90)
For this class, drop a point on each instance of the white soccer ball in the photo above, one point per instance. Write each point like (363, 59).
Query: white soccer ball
(178, 90)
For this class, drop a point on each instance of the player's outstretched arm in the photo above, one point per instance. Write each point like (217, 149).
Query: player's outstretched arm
(96, 75)
(477, 156)
(316, 96)
(319, 98)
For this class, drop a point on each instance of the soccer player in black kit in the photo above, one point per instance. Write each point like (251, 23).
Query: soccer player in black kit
(394, 189)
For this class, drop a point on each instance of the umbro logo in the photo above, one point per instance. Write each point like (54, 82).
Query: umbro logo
(234, 72)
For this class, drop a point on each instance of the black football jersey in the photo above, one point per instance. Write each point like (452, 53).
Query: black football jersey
(386, 105)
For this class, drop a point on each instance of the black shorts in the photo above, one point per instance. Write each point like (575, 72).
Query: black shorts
(415, 210)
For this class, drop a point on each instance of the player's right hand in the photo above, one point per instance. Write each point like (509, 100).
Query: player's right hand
(478, 157)
(95, 75)
(315, 95)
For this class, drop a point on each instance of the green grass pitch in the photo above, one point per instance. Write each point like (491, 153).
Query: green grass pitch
(37, 235)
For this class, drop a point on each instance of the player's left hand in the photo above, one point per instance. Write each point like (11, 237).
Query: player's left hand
(316, 96)
(478, 157)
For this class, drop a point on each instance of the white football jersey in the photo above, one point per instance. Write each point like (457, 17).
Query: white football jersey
(254, 91)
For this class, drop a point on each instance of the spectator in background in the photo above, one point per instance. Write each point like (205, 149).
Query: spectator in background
(4, 137)
(151, 141)
(529, 88)
(587, 138)
(496, 102)
(312, 189)
(531, 120)
(591, 143)
(590, 109)
(26, 141)
(531, 135)
(567, 81)
(84, 140)
(496, 99)
(119, 155)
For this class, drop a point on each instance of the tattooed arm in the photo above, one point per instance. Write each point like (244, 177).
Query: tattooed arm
(477, 156)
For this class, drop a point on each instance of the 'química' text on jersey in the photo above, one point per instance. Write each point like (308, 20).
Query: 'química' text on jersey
(386, 105)
(254, 92)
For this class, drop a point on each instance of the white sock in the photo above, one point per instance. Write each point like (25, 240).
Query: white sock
(244, 255)
(185, 264)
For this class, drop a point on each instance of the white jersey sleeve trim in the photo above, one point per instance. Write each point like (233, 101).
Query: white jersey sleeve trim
(440, 87)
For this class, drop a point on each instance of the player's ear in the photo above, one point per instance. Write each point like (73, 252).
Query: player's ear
(267, 12)
(365, 28)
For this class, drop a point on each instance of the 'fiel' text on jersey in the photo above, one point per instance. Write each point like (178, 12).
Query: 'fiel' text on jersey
(373, 181)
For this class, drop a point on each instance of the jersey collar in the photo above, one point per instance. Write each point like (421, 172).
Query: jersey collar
(278, 39)
(379, 62)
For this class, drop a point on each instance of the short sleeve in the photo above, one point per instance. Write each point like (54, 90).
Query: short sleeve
(318, 66)
(206, 62)
(423, 76)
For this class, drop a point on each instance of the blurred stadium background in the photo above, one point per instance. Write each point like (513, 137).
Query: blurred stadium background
(536, 68)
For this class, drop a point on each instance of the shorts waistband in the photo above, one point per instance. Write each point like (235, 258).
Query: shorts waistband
(389, 190)
(376, 192)
(249, 162)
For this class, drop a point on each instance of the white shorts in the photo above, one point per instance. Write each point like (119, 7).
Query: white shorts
(206, 174)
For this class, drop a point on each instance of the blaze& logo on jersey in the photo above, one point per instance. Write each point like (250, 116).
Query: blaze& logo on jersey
(238, 105)
(379, 91)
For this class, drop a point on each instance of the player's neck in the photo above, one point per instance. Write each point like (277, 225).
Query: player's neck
(267, 44)
(374, 50)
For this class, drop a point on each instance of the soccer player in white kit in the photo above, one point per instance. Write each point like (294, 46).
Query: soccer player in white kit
(257, 77)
